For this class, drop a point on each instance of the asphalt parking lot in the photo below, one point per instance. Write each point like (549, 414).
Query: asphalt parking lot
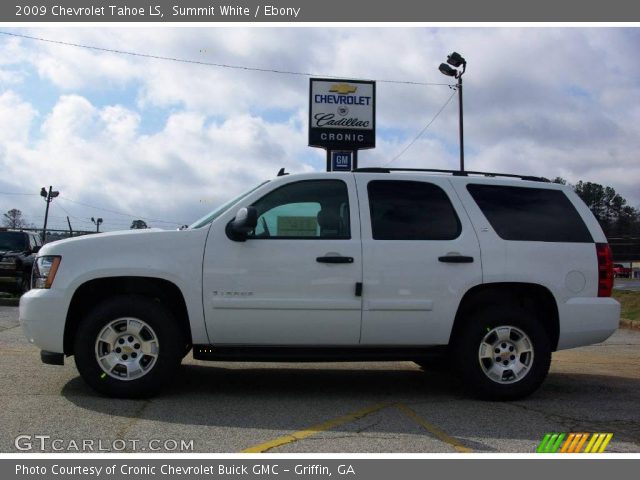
(339, 407)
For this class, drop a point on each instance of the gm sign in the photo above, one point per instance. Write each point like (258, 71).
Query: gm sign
(342, 114)
(340, 161)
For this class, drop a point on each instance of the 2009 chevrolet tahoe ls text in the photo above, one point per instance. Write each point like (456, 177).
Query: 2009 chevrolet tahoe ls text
(488, 275)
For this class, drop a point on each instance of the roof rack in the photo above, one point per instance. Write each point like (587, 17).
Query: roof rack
(457, 173)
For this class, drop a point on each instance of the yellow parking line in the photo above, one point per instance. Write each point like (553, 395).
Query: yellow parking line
(321, 427)
(435, 431)
(299, 435)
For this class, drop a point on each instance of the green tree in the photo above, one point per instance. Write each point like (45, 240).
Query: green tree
(610, 209)
(13, 219)
(138, 224)
(593, 195)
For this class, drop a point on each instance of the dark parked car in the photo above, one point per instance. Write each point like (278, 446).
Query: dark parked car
(17, 253)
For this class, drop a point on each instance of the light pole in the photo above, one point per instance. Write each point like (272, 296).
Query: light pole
(456, 60)
(97, 223)
(48, 197)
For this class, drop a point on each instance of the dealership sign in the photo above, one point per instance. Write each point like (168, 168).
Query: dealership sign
(342, 114)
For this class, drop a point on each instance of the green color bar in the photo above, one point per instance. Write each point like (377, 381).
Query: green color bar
(551, 443)
(558, 443)
(543, 443)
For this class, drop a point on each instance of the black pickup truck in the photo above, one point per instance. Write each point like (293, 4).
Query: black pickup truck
(17, 252)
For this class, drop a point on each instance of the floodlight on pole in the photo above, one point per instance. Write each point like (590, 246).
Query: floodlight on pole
(48, 197)
(456, 60)
(447, 70)
(97, 223)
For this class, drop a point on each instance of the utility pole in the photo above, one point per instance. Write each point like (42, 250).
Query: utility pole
(48, 197)
(70, 229)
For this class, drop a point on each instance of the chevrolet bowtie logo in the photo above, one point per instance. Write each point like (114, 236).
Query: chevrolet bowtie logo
(343, 88)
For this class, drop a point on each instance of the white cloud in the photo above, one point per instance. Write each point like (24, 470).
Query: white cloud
(169, 140)
(16, 117)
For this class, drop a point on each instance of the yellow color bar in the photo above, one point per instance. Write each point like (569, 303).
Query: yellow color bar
(591, 442)
(605, 442)
(599, 440)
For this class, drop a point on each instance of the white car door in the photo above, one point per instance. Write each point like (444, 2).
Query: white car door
(420, 256)
(293, 281)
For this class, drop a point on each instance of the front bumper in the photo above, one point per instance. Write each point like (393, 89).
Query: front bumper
(42, 317)
(585, 321)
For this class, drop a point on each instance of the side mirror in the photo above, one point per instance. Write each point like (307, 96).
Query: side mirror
(36, 249)
(240, 227)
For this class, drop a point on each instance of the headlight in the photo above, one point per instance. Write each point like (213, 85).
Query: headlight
(44, 271)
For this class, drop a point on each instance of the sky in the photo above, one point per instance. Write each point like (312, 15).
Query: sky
(126, 137)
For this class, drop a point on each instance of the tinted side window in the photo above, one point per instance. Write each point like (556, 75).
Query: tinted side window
(306, 209)
(408, 210)
(533, 214)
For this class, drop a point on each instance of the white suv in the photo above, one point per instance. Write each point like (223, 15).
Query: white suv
(488, 275)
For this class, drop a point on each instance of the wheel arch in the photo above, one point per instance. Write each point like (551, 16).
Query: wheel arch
(94, 291)
(535, 298)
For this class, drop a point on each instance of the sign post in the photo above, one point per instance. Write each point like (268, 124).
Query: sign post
(342, 119)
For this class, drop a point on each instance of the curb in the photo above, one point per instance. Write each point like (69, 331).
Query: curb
(629, 324)
(9, 302)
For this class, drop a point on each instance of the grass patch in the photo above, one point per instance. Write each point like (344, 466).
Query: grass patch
(630, 304)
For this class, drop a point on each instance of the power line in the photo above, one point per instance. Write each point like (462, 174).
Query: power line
(171, 222)
(421, 131)
(121, 213)
(16, 193)
(200, 62)
(71, 216)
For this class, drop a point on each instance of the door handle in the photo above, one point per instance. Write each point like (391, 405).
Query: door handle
(338, 259)
(455, 259)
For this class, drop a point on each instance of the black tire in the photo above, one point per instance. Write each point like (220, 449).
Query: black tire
(170, 346)
(472, 370)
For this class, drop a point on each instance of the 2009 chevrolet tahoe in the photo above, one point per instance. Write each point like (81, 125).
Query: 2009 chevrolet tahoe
(487, 275)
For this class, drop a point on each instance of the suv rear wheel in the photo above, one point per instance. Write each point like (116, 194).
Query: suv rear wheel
(503, 353)
(128, 346)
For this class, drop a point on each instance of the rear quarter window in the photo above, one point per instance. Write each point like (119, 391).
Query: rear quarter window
(409, 210)
(530, 214)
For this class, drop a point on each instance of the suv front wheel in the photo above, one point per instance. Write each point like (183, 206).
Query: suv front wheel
(502, 353)
(128, 346)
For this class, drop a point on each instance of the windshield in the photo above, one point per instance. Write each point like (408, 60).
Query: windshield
(211, 216)
(12, 241)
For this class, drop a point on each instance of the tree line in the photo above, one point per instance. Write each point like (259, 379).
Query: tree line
(616, 217)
